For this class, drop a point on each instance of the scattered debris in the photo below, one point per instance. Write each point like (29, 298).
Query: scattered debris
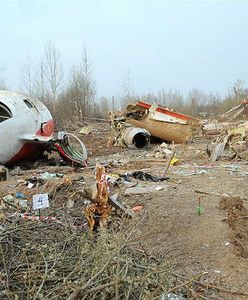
(4, 173)
(162, 151)
(137, 208)
(137, 190)
(216, 128)
(171, 296)
(143, 176)
(233, 144)
(116, 204)
(159, 188)
(47, 176)
(86, 130)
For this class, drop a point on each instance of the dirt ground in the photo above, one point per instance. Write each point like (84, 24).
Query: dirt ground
(216, 241)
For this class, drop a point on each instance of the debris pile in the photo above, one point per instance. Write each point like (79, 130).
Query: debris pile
(162, 151)
(232, 144)
(214, 128)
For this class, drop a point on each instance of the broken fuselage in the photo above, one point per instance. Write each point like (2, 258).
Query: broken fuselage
(26, 125)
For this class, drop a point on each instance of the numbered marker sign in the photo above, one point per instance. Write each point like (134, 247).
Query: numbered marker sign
(40, 201)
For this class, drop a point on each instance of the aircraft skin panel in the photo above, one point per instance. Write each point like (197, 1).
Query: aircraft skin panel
(30, 121)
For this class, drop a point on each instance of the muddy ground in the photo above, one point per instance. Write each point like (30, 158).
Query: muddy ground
(216, 241)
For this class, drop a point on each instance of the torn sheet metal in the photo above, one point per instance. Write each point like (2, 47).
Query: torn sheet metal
(160, 122)
(164, 123)
(65, 145)
(113, 200)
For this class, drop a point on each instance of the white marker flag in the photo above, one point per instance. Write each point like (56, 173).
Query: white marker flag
(40, 201)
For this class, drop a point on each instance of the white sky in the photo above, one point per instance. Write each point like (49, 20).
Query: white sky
(164, 44)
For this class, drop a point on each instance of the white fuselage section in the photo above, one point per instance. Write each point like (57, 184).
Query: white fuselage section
(27, 121)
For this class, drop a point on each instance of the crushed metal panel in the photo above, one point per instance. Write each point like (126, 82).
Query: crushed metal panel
(166, 131)
(159, 121)
(162, 122)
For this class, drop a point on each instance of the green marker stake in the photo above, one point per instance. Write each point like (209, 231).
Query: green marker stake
(199, 208)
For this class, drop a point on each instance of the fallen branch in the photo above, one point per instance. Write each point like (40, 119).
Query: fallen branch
(184, 284)
(211, 286)
(77, 293)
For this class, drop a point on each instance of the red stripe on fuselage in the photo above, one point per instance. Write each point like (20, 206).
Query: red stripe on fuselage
(31, 149)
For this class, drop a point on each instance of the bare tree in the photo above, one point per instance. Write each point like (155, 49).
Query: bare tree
(171, 98)
(128, 95)
(27, 77)
(40, 83)
(195, 99)
(238, 91)
(83, 86)
(88, 83)
(52, 71)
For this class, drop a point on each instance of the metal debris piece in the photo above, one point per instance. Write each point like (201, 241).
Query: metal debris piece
(160, 122)
(143, 176)
(137, 190)
(116, 204)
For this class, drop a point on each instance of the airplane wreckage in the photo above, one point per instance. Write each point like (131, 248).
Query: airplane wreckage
(134, 126)
(27, 130)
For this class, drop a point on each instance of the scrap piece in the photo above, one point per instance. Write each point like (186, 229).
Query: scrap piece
(159, 121)
(143, 176)
(117, 205)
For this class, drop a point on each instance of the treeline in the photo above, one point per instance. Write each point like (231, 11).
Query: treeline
(73, 97)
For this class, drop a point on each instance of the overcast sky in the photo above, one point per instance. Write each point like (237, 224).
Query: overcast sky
(164, 44)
